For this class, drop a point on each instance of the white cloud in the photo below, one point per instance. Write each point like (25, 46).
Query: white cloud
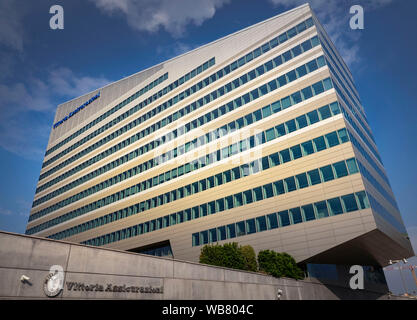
(27, 109)
(11, 27)
(5, 212)
(334, 16)
(20, 207)
(152, 15)
(175, 49)
(64, 82)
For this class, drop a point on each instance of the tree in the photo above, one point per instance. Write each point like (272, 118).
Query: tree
(231, 255)
(227, 255)
(249, 256)
(279, 264)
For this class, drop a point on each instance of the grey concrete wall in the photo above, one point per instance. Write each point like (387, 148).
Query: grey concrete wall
(133, 273)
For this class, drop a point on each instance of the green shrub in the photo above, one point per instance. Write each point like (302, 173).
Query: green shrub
(228, 255)
(279, 264)
(231, 255)
(249, 256)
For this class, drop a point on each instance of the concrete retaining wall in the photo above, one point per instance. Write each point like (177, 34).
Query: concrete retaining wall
(96, 273)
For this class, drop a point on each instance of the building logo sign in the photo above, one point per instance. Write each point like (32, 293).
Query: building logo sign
(76, 110)
(52, 285)
(109, 287)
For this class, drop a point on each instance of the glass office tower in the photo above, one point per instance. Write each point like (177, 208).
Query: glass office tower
(258, 138)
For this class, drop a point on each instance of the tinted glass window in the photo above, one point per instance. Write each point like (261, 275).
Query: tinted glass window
(332, 139)
(312, 65)
(258, 194)
(196, 239)
(285, 155)
(272, 221)
(313, 116)
(213, 235)
(268, 190)
(308, 211)
(343, 135)
(231, 231)
(221, 233)
(351, 164)
(247, 196)
(302, 121)
(296, 215)
(279, 187)
(307, 93)
(341, 169)
(301, 71)
(320, 143)
(240, 229)
(274, 159)
(291, 126)
(302, 180)
(296, 152)
(350, 202)
(280, 130)
(325, 112)
(318, 88)
(260, 224)
(307, 148)
(284, 218)
(291, 76)
(290, 184)
(327, 173)
(250, 226)
(335, 206)
(321, 209)
(314, 176)
(362, 199)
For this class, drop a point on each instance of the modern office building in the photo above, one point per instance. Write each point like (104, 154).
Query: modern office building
(258, 138)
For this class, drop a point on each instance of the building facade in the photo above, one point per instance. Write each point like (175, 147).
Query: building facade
(258, 138)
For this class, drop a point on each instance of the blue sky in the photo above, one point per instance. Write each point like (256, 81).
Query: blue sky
(105, 40)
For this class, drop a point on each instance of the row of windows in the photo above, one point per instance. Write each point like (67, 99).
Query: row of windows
(277, 106)
(377, 185)
(274, 63)
(108, 113)
(383, 212)
(193, 73)
(356, 103)
(375, 204)
(323, 35)
(272, 85)
(359, 131)
(129, 112)
(210, 116)
(337, 63)
(348, 80)
(327, 46)
(342, 83)
(159, 252)
(334, 56)
(313, 211)
(297, 151)
(365, 128)
(210, 79)
(262, 113)
(340, 93)
(368, 158)
(249, 196)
